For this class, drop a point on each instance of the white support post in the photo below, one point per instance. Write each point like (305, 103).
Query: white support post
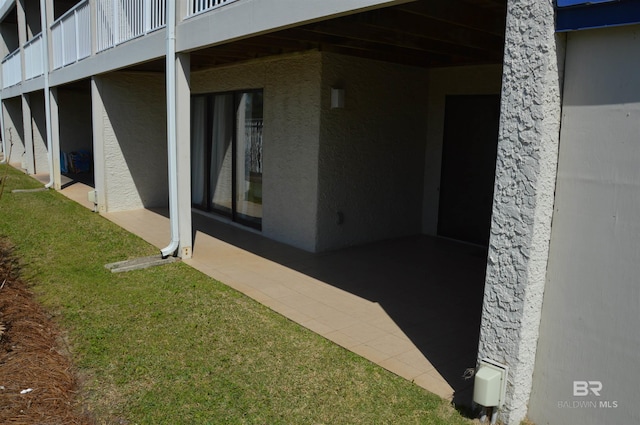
(116, 23)
(28, 160)
(523, 197)
(183, 129)
(55, 137)
(147, 16)
(97, 111)
(51, 148)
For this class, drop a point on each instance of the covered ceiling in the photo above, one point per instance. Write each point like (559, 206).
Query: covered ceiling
(425, 33)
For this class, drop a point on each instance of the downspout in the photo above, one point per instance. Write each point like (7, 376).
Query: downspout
(171, 129)
(47, 89)
(5, 157)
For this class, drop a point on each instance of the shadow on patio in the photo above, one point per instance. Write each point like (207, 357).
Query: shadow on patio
(412, 305)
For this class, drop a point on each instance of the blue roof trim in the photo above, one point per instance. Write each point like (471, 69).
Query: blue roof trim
(567, 3)
(574, 15)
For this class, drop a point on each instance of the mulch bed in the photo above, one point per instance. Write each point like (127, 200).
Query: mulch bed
(37, 382)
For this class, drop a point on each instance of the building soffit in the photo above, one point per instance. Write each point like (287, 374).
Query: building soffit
(425, 33)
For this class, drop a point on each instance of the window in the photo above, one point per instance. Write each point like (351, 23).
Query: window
(226, 155)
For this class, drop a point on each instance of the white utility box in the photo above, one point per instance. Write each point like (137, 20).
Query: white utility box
(490, 384)
(92, 196)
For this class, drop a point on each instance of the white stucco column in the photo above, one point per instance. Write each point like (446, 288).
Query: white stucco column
(54, 143)
(29, 160)
(523, 198)
(22, 33)
(183, 130)
(97, 118)
(13, 129)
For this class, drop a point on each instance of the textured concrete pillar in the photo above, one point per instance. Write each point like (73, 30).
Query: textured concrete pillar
(14, 130)
(28, 159)
(97, 112)
(523, 198)
(54, 144)
(39, 132)
(183, 130)
(22, 32)
(49, 8)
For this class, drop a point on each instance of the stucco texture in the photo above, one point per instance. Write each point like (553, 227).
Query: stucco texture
(39, 133)
(335, 177)
(371, 161)
(13, 129)
(291, 139)
(133, 141)
(523, 197)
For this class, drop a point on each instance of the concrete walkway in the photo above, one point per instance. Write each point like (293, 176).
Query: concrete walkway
(411, 305)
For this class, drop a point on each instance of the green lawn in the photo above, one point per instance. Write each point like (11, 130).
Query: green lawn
(169, 345)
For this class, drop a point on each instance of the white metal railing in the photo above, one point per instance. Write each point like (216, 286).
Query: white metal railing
(33, 58)
(11, 69)
(71, 36)
(122, 20)
(200, 6)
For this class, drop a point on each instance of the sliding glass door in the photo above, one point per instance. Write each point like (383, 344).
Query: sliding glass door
(226, 155)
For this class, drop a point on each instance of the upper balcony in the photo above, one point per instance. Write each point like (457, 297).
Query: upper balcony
(92, 29)
(73, 38)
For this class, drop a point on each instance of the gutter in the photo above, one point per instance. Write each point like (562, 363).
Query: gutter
(171, 130)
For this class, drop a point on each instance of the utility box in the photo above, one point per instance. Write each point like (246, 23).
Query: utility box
(490, 384)
(92, 197)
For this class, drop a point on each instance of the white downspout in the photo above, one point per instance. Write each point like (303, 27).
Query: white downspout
(171, 129)
(5, 158)
(47, 89)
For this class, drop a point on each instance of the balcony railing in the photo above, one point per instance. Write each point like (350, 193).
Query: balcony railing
(33, 58)
(201, 6)
(71, 36)
(123, 20)
(11, 69)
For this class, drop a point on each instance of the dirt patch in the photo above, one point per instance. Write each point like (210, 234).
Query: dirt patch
(37, 382)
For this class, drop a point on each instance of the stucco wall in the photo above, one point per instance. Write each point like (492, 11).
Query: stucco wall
(13, 129)
(589, 329)
(468, 80)
(39, 132)
(291, 134)
(371, 151)
(523, 197)
(133, 141)
(75, 118)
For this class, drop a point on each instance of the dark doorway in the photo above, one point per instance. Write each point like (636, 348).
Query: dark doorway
(468, 167)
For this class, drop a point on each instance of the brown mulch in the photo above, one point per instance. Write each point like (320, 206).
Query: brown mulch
(37, 382)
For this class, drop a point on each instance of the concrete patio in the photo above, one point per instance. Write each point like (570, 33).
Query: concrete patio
(411, 305)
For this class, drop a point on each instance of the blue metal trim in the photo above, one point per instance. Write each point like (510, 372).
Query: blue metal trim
(568, 3)
(604, 14)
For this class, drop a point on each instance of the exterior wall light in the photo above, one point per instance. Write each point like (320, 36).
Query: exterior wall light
(337, 98)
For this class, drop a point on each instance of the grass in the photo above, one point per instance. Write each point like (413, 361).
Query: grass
(169, 345)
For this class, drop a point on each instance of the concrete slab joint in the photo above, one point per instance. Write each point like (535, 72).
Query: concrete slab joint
(523, 197)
